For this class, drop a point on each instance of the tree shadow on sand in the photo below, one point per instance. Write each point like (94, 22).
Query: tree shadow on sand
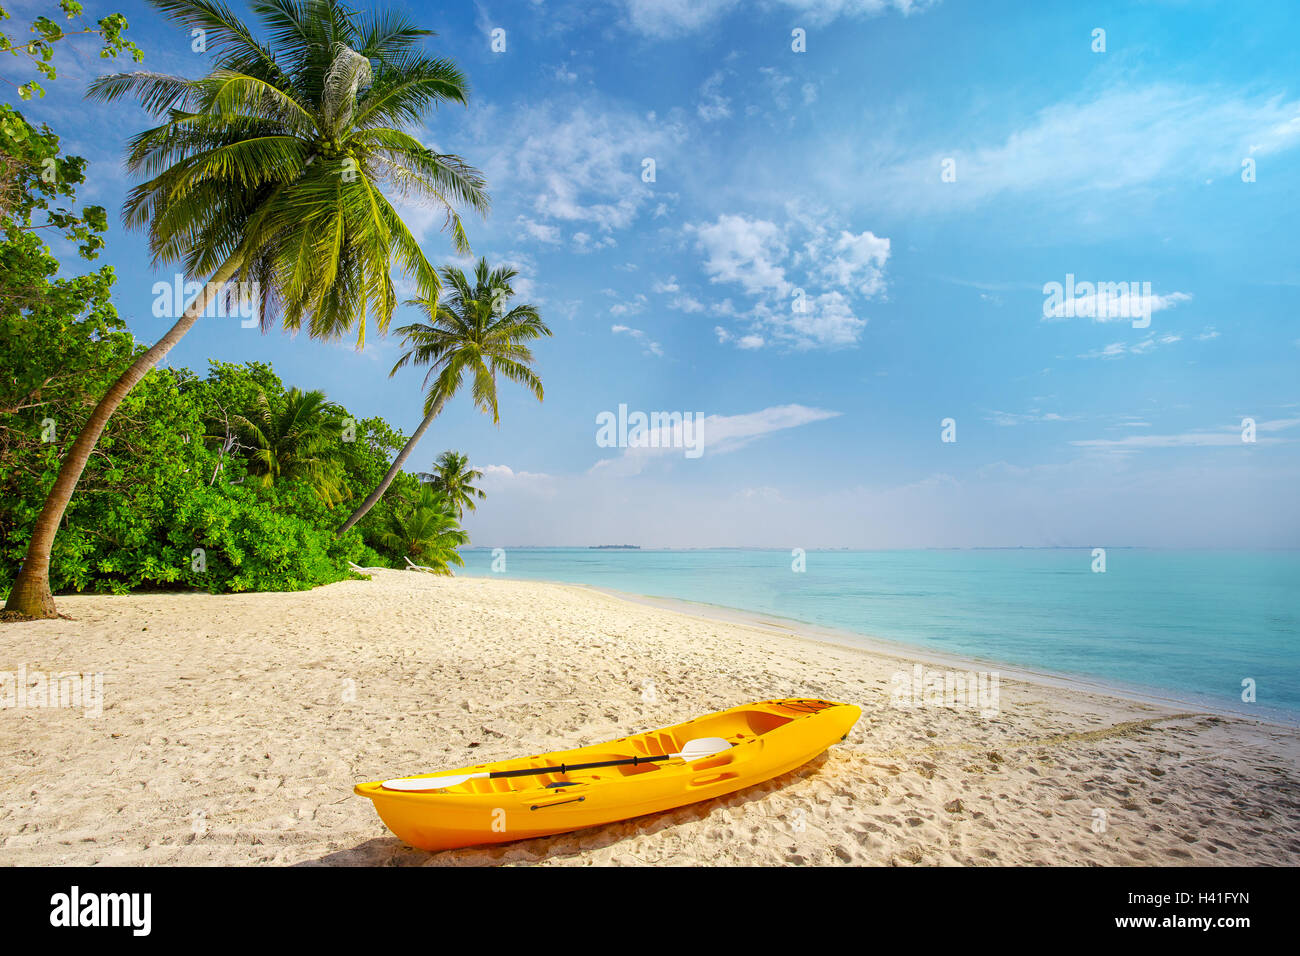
(390, 851)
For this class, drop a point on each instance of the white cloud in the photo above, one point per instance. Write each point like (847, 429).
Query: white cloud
(506, 473)
(664, 18)
(483, 19)
(1114, 350)
(744, 251)
(1119, 349)
(827, 321)
(797, 311)
(633, 306)
(821, 12)
(1227, 436)
(776, 82)
(1167, 135)
(539, 231)
(1032, 417)
(726, 433)
(1072, 503)
(849, 261)
(718, 435)
(1186, 440)
(1112, 302)
(584, 243)
(713, 106)
(650, 347)
(668, 18)
(578, 163)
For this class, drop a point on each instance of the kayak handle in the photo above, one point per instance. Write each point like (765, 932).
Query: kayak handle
(557, 803)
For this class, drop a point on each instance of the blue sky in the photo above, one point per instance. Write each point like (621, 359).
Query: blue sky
(777, 171)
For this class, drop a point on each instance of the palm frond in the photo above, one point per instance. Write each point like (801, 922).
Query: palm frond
(289, 155)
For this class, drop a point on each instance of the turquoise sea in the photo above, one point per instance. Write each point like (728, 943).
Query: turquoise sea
(1185, 624)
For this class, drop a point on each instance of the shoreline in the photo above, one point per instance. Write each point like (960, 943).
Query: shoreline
(234, 727)
(806, 630)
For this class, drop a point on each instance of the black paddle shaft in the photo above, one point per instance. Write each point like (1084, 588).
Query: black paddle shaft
(565, 768)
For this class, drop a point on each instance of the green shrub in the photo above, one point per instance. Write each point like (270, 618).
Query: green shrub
(163, 506)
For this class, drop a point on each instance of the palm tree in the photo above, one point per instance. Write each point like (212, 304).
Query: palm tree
(268, 171)
(468, 332)
(426, 531)
(453, 477)
(300, 439)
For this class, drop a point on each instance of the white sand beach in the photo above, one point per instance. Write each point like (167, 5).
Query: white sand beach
(234, 727)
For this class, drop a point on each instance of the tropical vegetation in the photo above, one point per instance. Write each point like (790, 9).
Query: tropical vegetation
(423, 526)
(299, 437)
(453, 477)
(274, 171)
(179, 493)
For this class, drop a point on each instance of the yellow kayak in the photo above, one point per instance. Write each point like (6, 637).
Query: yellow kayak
(645, 773)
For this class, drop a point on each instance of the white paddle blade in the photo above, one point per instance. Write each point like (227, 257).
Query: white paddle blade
(703, 747)
(421, 784)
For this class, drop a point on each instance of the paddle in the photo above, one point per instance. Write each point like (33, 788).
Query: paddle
(692, 751)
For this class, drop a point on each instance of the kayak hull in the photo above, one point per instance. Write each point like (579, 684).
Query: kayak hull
(768, 738)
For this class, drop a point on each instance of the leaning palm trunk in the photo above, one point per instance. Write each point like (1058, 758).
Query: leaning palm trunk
(31, 594)
(389, 475)
(465, 335)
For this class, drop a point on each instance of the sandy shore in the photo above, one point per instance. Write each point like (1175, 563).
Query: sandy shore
(234, 727)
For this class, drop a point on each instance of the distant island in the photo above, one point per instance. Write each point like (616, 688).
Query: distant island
(613, 547)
